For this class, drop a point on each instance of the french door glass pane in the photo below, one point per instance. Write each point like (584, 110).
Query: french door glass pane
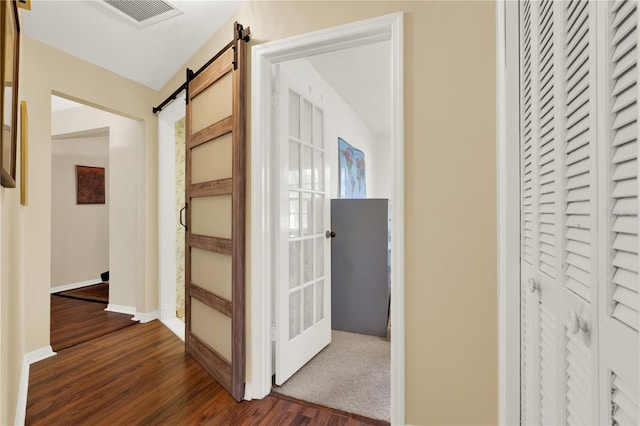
(294, 264)
(319, 257)
(294, 114)
(294, 164)
(308, 307)
(318, 169)
(307, 214)
(307, 256)
(306, 167)
(294, 214)
(294, 314)
(307, 109)
(319, 214)
(319, 300)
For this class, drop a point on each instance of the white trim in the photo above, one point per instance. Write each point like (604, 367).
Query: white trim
(389, 27)
(175, 325)
(508, 208)
(128, 310)
(167, 215)
(28, 359)
(144, 317)
(73, 286)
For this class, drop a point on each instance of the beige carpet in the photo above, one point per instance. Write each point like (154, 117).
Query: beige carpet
(351, 374)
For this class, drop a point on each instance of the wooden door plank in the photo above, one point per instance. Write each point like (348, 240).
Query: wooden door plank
(211, 132)
(212, 188)
(213, 73)
(219, 245)
(210, 299)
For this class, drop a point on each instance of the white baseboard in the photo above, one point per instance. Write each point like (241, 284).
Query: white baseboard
(146, 316)
(129, 310)
(30, 358)
(175, 325)
(65, 287)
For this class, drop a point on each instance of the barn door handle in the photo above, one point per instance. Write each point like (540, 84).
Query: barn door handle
(181, 222)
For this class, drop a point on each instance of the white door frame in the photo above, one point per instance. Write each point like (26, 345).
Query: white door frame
(508, 151)
(167, 217)
(264, 176)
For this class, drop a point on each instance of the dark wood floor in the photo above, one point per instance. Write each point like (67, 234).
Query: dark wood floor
(140, 375)
(75, 321)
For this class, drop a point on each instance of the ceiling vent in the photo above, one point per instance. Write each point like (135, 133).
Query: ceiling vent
(142, 13)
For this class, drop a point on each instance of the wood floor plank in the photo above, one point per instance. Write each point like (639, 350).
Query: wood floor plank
(140, 375)
(75, 321)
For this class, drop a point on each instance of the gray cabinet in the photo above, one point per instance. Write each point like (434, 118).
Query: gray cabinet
(360, 265)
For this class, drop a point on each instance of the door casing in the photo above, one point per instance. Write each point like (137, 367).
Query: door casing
(167, 216)
(264, 175)
(508, 210)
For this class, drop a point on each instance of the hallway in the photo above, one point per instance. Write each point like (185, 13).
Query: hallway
(141, 375)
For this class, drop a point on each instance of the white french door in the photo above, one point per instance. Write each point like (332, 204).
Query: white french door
(579, 212)
(303, 274)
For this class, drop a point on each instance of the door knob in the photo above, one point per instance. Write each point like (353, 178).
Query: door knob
(533, 285)
(330, 234)
(577, 322)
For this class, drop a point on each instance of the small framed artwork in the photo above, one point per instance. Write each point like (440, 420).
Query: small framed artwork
(90, 185)
(351, 170)
(10, 48)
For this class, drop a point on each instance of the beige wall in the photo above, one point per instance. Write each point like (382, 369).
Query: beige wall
(450, 190)
(79, 233)
(12, 296)
(450, 216)
(26, 231)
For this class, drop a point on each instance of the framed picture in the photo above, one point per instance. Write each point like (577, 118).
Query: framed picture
(90, 185)
(351, 170)
(10, 48)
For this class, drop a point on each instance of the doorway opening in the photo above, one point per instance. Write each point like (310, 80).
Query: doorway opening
(171, 192)
(334, 124)
(93, 205)
(266, 212)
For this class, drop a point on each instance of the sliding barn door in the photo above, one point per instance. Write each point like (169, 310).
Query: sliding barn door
(215, 213)
(579, 223)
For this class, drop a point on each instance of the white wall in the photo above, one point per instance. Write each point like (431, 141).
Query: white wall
(79, 233)
(125, 136)
(342, 121)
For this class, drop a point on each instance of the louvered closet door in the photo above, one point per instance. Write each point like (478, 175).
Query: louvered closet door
(619, 189)
(579, 175)
(578, 308)
(541, 243)
(558, 212)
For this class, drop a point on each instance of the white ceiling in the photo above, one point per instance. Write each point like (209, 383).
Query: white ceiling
(153, 54)
(150, 55)
(362, 76)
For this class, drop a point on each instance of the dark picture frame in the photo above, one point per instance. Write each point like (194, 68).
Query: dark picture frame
(9, 72)
(90, 185)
